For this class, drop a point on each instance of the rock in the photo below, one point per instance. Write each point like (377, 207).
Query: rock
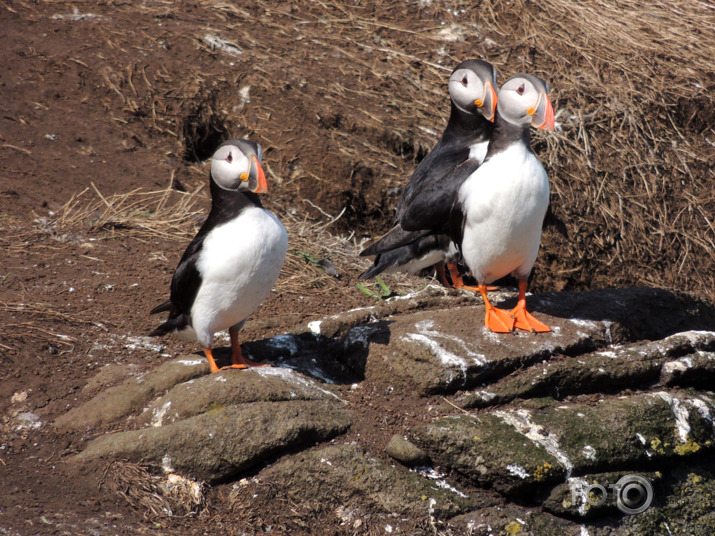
(213, 391)
(340, 360)
(406, 452)
(338, 325)
(620, 387)
(131, 396)
(225, 441)
(447, 350)
(684, 503)
(108, 375)
(492, 453)
(512, 521)
(347, 475)
(614, 368)
(518, 451)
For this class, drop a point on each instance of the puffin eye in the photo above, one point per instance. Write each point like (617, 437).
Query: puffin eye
(521, 89)
(229, 158)
(465, 81)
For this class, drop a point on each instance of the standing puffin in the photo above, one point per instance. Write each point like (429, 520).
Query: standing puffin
(230, 266)
(497, 218)
(419, 237)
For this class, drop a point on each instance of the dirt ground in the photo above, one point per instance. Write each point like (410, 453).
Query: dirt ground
(99, 100)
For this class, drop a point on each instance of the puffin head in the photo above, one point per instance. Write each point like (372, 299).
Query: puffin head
(524, 101)
(236, 165)
(471, 88)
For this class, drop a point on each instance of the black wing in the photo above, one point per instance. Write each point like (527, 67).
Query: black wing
(457, 219)
(184, 287)
(402, 255)
(440, 161)
(431, 206)
(395, 238)
(187, 279)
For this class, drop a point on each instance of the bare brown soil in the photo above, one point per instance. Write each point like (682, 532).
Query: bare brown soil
(104, 103)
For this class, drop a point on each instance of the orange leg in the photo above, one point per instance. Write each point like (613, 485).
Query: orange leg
(524, 319)
(210, 357)
(458, 282)
(496, 320)
(237, 359)
(441, 275)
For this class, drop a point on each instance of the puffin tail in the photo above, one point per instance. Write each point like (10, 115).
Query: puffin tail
(394, 258)
(164, 306)
(395, 238)
(171, 325)
(376, 269)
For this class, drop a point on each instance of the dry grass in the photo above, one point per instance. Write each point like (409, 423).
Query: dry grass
(631, 162)
(166, 214)
(631, 165)
(346, 98)
(156, 495)
(316, 259)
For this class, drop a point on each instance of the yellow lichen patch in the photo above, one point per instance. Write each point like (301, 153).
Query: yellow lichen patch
(689, 448)
(542, 470)
(513, 528)
(215, 406)
(657, 445)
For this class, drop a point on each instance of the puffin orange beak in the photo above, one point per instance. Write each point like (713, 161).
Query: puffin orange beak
(543, 113)
(257, 178)
(488, 104)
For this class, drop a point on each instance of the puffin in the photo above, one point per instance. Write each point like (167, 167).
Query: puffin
(499, 211)
(419, 237)
(231, 265)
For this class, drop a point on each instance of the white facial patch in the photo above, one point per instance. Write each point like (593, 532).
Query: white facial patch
(227, 166)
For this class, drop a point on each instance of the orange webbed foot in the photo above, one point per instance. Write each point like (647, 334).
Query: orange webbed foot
(244, 363)
(240, 362)
(237, 360)
(496, 320)
(243, 366)
(499, 320)
(526, 321)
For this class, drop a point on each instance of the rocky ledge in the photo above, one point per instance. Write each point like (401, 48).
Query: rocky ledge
(602, 427)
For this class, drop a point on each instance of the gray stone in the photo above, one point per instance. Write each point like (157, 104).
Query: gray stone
(492, 453)
(620, 385)
(132, 395)
(349, 475)
(684, 504)
(613, 368)
(596, 495)
(406, 452)
(225, 441)
(518, 450)
(232, 387)
(512, 520)
(448, 350)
